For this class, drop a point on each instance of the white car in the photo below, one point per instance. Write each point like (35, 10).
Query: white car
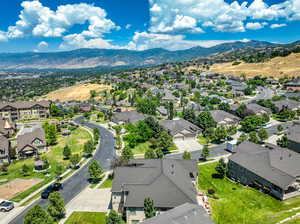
(6, 206)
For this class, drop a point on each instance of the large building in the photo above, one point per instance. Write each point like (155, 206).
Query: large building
(169, 183)
(25, 110)
(273, 170)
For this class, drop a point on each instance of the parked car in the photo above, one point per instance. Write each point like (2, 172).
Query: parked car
(54, 187)
(6, 206)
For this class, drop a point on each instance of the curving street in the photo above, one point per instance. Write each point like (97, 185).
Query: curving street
(79, 181)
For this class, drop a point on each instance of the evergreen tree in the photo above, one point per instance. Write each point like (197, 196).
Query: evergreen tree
(149, 209)
(127, 154)
(205, 152)
(75, 159)
(67, 152)
(37, 215)
(283, 142)
(171, 111)
(113, 218)
(150, 154)
(221, 168)
(205, 120)
(263, 134)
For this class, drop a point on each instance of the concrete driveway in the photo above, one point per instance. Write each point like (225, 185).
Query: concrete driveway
(188, 145)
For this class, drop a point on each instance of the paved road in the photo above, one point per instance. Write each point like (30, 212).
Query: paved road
(79, 181)
(215, 151)
(264, 93)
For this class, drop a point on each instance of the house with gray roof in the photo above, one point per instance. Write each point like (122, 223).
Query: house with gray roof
(286, 104)
(30, 144)
(255, 109)
(168, 182)
(271, 169)
(168, 96)
(224, 118)
(184, 214)
(162, 111)
(293, 135)
(4, 150)
(127, 117)
(180, 129)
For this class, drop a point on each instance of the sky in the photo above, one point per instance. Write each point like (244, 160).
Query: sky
(62, 25)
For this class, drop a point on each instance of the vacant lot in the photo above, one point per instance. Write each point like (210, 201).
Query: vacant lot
(14, 187)
(276, 67)
(78, 92)
(241, 205)
(86, 218)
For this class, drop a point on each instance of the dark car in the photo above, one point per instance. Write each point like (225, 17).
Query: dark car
(54, 187)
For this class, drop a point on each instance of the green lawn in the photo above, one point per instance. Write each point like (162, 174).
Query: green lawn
(202, 140)
(86, 218)
(141, 148)
(237, 204)
(107, 183)
(293, 221)
(76, 140)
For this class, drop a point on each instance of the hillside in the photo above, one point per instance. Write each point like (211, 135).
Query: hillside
(276, 67)
(104, 58)
(78, 92)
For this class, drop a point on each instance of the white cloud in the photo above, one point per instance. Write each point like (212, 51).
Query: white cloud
(43, 45)
(255, 26)
(127, 26)
(274, 26)
(217, 14)
(145, 40)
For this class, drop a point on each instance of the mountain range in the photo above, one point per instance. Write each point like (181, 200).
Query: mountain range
(112, 58)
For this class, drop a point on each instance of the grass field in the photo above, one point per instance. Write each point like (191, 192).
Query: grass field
(141, 148)
(276, 67)
(86, 218)
(78, 92)
(237, 204)
(107, 183)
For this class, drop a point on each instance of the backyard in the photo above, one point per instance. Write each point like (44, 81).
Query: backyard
(86, 218)
(33, 180)
(234, 203)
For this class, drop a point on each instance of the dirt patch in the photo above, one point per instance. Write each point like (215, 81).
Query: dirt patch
(276, 67)
(17, 186)
(78, 92)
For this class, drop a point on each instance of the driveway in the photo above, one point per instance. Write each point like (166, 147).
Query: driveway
(187, 145)
(79, 181)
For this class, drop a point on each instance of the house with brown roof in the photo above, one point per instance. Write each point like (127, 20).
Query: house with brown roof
(30, 144)
(7, 127)
(4, 150)
(168, 182)
(269, 168)
(24, 110)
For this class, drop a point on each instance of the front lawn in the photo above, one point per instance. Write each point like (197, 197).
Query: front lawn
(242, 205)
(202, 140)
(107, 183)
(86, 218)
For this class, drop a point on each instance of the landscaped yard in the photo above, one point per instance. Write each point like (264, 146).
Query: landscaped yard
(141, 148)
(241, 205)
(76, 140)
(86, 218)
(203, 140)
(107, 183)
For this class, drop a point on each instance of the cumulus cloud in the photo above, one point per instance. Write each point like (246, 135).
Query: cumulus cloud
(221, 16)
(43, 44)
(145, 40)
(275, 25)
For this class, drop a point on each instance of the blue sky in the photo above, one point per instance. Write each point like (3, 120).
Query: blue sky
(56, 25)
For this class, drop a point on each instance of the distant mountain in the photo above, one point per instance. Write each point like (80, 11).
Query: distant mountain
(104, 58)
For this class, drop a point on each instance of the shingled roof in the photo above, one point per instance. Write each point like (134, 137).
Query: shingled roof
(24, 104)
(277, 165)
(293, 133)
(176, 126)
(183, 214)
(29, 137)
(166, 181)
(4, 146)
(222, 116)
(128, 117)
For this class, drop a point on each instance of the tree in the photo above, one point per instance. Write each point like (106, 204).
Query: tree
(88, 148)
(221, 168)
(241, 111)
(189, 115)
(154, 125)
(279, 128)
(95, 170)
(74, 159)
(93, 94)
(37, 215)
(263, 134)
(59, 170)
(224, 106)
(248, 91)
(127, 154)
(146, 106)
(283, 142)
(150, 154)
(113, 218)
(243, 137)
(205, 152)
(149, 209)
(56, 207)
(252, 122)
(50, 132)
(220, 133)
(170, 110)
(96, 133)
(253, 137)
(205, 120)
(186, 155)
(165, 141)
(25, 169)
(55, 111)
(67, 152)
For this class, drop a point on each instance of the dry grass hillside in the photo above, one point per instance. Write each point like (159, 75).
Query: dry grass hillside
(276, 67)
(78, 92)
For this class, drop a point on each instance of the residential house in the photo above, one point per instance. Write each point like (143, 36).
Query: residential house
(255, 109)
(293, 85)
(293, 135)
(25, 110)
(168, 96)
(127, 117)
(286, 104)
(30, 144)
(180, 129)
(271, 169)
(7, 127)
(168, 182)
(224, 118)
(4, 150)
(184, 214)
(162, 111)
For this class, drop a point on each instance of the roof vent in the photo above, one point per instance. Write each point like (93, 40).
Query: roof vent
(281, 157)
